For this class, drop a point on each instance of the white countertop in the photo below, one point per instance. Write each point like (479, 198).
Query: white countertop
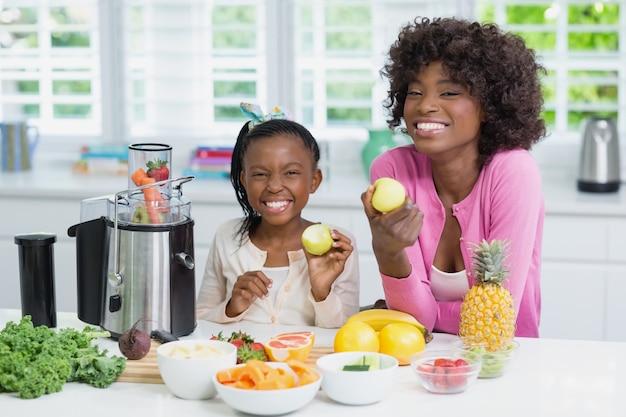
(549, 378)
(341, 189)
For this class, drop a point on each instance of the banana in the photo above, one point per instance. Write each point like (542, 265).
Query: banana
(378, 318)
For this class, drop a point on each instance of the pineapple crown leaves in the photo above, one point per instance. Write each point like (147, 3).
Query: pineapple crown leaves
(488, 261)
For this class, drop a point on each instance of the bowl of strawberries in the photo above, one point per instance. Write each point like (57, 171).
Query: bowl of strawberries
(446, 371)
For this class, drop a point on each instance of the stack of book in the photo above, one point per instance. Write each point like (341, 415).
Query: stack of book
(102, 159)
(210, 162)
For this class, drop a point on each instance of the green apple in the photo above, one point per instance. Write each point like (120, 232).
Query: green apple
(316, 239)
(389, 194)
(140, 216)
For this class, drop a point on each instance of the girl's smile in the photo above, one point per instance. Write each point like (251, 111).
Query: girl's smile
(277, 206)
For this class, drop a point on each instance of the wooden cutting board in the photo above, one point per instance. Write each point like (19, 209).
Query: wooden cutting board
(146, 370)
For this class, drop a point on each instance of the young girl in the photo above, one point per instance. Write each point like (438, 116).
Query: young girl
(257, 268)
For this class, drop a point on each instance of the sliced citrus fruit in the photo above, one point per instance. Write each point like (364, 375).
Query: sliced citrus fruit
(286, 346)
(295, 335)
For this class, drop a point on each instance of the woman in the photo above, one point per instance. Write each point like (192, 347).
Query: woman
(470, 98)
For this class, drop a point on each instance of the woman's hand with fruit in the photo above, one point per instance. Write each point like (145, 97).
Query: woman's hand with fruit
(325, 269)
(392, 232)
(249, 286)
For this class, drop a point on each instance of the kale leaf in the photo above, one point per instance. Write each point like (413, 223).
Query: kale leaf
(38, 360)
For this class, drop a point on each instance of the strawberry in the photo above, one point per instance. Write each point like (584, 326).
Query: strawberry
(440, 378)
(448, 373)
(258, 347)
(247, 348)
(249, 351)
(158, 170)
(456, 377)
(445, 363)
(238, 342)
(240, 336)
(219, 336)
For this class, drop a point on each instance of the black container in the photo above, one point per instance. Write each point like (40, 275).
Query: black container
(36, 263)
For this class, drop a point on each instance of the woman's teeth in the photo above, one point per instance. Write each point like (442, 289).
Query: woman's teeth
(430, 126)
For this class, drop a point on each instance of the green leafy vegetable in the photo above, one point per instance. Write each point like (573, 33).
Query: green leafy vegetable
(38, 360)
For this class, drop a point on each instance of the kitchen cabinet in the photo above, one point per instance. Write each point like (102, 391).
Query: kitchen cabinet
(584, 277)
(583, 268)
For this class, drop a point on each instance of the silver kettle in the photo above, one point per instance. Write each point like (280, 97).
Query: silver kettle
(599, 169)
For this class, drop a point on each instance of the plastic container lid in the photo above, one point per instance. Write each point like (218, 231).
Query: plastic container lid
(35, 239)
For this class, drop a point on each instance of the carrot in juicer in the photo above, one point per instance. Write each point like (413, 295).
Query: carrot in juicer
(152, 197)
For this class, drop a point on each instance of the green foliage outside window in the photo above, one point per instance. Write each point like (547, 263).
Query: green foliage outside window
(585, 89)
(348, 31)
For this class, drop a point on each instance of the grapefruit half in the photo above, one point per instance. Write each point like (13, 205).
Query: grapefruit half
(290, 346)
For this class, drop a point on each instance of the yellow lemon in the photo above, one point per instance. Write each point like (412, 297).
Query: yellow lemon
(401, 340)
(356, 336)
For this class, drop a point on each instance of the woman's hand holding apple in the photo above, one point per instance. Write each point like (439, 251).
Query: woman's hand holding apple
(392, 232)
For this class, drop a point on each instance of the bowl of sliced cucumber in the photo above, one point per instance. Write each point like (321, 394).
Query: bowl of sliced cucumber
(494, 363)
(357, 378)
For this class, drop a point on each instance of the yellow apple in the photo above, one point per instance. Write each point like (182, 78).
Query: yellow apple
(389, 194)
(316, 239)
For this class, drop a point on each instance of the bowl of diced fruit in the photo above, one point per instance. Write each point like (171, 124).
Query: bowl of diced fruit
(267, 388)
(494, 363)
(357, 378)
(446, 371)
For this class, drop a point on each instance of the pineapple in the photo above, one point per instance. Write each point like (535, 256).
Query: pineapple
(488, 313)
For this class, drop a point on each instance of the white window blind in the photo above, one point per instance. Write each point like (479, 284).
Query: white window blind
(176, 70)
(50, 64)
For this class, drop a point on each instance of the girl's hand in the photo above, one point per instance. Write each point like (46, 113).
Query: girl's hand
(249, 286)
(392, 232)
(324, 269)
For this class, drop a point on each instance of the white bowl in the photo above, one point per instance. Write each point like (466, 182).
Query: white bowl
(356, 387)
(268, 402)
(192, 378)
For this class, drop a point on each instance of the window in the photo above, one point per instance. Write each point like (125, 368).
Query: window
(49, 64)
(578, 41)
(176, 70)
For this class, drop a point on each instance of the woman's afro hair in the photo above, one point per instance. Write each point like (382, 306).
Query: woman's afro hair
(497, 67)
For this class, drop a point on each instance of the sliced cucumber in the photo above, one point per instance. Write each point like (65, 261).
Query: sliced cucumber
(356, 368)
(365, 363)
(373, 361)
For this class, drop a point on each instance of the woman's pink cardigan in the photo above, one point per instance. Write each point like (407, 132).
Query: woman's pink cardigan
(505, 203)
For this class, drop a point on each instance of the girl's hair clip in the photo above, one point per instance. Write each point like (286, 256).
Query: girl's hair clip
(256, 114)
